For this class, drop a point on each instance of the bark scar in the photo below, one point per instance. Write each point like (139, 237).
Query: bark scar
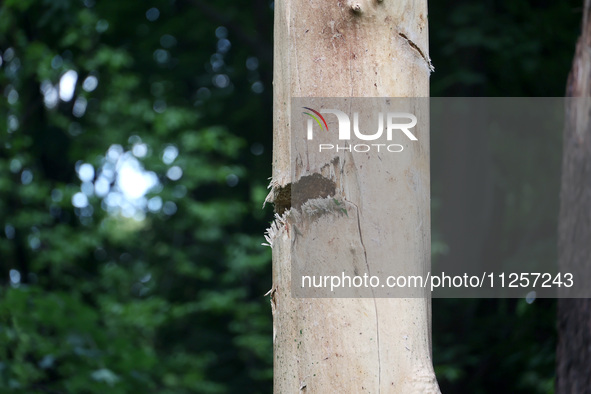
(416, 48)
(308, 187)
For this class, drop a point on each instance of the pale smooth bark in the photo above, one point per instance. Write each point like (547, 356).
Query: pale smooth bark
(359, 48)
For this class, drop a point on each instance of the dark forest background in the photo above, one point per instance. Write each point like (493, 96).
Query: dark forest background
(135, 151)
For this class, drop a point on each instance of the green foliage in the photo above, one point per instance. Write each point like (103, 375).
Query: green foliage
(165, 297)
(508, 49)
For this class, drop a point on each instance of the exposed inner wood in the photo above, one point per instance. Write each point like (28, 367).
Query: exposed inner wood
(307, 188)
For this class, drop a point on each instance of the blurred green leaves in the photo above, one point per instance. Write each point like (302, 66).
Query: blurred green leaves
(105, 292)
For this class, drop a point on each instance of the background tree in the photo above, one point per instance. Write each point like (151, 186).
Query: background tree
(574, 224)
(131, 220)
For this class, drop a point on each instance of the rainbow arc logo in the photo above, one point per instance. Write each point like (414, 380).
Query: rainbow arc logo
(390, 124)
(316, 117)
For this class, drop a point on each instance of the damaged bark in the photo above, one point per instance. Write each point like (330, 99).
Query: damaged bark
(308, 187)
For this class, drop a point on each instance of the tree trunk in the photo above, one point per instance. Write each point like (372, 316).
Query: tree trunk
(364, 48)
(574, 224)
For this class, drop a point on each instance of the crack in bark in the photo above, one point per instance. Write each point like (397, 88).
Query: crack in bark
(416, 48)
(374, 298)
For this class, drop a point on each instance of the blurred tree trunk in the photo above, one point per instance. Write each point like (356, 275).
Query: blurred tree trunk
(364, 48)
(574, 228)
